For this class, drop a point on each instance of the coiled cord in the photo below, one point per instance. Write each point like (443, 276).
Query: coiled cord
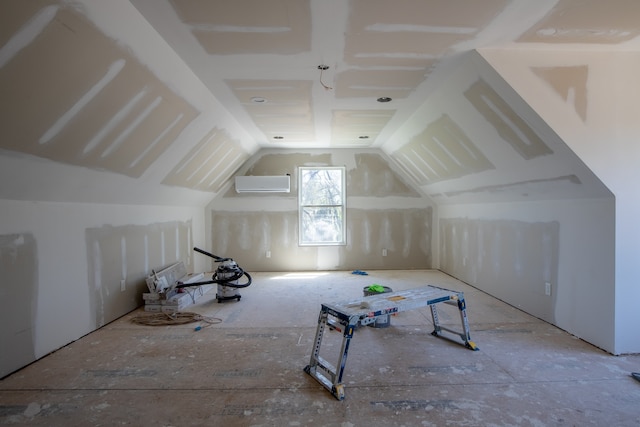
(177, 318)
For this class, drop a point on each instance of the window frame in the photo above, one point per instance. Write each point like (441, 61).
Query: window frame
(342, 207)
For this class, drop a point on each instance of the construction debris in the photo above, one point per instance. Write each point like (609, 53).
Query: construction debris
(163, 296)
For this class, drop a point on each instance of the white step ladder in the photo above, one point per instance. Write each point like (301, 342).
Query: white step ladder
(347, 316)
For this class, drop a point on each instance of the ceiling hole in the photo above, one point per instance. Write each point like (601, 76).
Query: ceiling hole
(384, 99)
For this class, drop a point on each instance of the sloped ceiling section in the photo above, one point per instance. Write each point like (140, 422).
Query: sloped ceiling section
(209, 164)
(441, 152)
(570, 82)
(484, 144)
(153, 94)
(509, 125)
(587, 22)
(72, 95)
(510, 153)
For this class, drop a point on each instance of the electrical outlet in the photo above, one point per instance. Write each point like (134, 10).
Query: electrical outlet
(384, 252)
(547, 288)
(268, 254)
(123, 285)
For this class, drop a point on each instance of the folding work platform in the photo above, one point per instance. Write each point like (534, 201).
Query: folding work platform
(347, 316)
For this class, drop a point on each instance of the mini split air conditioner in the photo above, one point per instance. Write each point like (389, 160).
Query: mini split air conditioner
(263, 184)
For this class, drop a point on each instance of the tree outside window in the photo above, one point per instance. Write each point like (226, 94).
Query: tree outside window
(321, 198)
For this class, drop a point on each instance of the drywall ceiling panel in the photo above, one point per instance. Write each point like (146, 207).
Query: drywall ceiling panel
(543, 187)
(587, 21)
(570, 82)
(412, 32)
(373, 176)
(441, 152)
(399, 49)
(73, 95)
(17, 12)
(483, 143)
(248, 26)
(273, 92)
(378, 83)
(282, 110)
(353, 126)
(509, 125)
(213, 160)
(282, 163)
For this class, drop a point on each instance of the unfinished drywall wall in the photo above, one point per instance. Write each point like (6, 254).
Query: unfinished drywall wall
(260, 230)
(66, 262)
(513, 250)
(268, 241)
(513, 259)
(18, 300)
(605, 138)
(121, 257)
(521, 210)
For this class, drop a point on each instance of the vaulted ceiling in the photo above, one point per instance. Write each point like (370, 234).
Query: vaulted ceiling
(172, 95)
(261, 58)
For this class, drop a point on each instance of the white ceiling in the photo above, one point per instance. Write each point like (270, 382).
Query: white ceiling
(247, 51)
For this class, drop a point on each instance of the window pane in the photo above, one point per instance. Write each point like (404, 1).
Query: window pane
(321, 198)
(321, 187)
(321, 225)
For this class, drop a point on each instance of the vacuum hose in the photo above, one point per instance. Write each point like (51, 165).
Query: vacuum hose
(229, 271)
(209, 254)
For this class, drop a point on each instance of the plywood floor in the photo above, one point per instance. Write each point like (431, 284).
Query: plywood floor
(248, 369)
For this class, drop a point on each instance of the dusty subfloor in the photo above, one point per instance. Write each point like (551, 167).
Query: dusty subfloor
(248, 369)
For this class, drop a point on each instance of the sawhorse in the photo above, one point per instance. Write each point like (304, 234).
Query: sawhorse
(347, 316)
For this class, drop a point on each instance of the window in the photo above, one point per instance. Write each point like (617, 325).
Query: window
(321, 201)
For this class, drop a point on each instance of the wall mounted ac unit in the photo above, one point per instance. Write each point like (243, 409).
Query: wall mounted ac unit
(263, 184)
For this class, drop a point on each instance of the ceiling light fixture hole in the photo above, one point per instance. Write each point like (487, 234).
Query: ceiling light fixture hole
(384, 99)
(323, 67)
(258, 100)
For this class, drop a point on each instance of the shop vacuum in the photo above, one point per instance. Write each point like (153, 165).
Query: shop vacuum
(227, 276)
